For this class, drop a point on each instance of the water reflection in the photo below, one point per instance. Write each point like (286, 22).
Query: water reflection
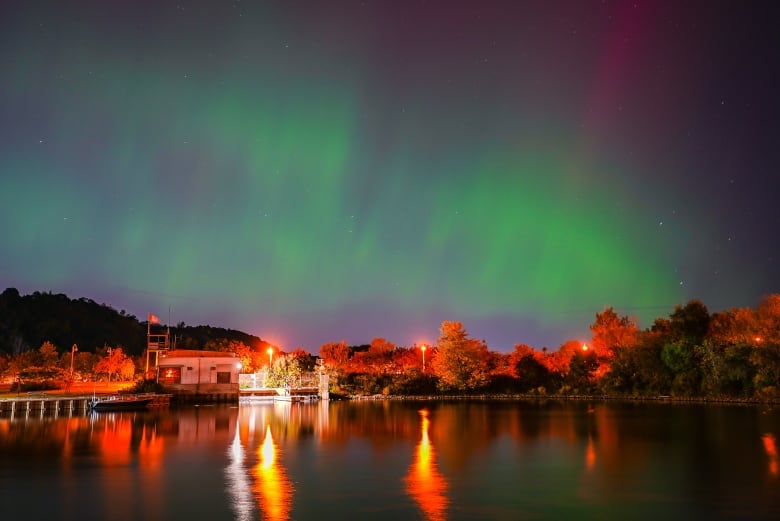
(351, 460)
(590, 454)
(239, 486)
(770, 447)
(272, 489)
(424, 483)
(256, 478)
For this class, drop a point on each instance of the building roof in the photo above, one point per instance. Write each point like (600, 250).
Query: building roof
(198, 353)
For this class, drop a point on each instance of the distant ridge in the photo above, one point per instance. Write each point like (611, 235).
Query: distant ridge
(27, 321)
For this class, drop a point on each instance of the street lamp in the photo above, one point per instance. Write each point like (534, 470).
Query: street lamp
(73, 350)
(423, 348)
(270, 356)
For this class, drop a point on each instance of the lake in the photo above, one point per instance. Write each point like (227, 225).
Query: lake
(389, 460)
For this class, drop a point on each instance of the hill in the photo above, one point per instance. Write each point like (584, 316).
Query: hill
(27, 321)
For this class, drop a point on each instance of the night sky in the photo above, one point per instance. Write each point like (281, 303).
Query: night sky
(317, 171)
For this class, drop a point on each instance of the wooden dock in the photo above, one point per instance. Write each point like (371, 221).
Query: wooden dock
(41, 404)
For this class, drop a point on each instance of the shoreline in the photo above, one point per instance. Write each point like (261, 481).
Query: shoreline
(560, 397)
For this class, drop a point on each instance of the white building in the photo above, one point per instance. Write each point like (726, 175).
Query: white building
(199, 375)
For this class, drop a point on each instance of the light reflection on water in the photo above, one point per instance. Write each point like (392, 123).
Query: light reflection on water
(394, 460)
(771, 451)
(424, 483)
(272, 488)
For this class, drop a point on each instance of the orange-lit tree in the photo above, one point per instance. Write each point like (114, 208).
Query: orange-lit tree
(335, 354)
(611, 332)
(766, 352)
(116, 363)
(460, 362)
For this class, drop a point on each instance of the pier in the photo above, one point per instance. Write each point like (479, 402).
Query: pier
(41, 404)
(282, 394)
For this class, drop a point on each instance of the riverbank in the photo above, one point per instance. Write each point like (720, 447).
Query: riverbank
(563, 397)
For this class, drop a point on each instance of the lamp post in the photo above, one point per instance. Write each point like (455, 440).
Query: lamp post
(423, 348)
(270, 352)
(73, 350)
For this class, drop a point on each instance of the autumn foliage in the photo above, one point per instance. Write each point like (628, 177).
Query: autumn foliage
(733, 353)
(691, 353)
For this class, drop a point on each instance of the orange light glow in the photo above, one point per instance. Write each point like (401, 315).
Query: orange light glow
(424, 482)
(758, 339)
(590, 454)
(272, 488)
(115, 440)
(770, 447)
(584, 347)
(151, 449)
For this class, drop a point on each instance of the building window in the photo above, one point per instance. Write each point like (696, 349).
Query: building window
(223, 377)
(170, 375)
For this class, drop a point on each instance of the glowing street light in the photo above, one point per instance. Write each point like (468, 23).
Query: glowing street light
(423, 348)
(270, 356)
(584, 347)
(73, 350)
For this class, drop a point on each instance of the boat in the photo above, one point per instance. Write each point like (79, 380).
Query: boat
(120, 402)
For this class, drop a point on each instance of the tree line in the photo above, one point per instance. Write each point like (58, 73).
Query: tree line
(28, 321)
(692, 353)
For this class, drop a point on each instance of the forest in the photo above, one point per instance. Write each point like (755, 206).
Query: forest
(691, 353)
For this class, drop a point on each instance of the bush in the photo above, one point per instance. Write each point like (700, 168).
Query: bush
(39, 385)
(146, 386)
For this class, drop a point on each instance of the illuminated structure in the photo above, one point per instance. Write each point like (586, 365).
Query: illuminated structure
(157, 345)
(200, 375)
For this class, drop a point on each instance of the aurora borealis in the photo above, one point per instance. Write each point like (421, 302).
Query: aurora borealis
(316, 171)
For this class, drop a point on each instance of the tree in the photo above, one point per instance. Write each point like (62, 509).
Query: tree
(733, 326)
(682, 351)
(115, 363)
(768, 320)
(48, 357)
(690, 323)
(766, 355)
(682, 360)
(405, 359)
(379, 355)
(532, 373)
(582, 368)
(638, 370)
(335, 354)
(611, 332)
(726, 368)
(285, 371)
(460, 362)
(304, 359)
(558, 361)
